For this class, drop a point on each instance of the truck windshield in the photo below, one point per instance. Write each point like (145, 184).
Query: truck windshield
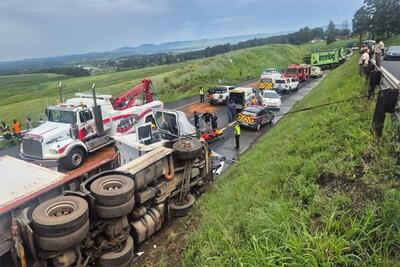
(63, 116)
(280, 81)
(291, 70)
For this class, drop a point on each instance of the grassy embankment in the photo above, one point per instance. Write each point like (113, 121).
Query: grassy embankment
(317, 190)
(29, 94)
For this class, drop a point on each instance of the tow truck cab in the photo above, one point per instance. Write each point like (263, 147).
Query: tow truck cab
(71, 130)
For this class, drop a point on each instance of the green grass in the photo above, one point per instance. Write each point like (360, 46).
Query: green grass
(28, 95)
(317, 190)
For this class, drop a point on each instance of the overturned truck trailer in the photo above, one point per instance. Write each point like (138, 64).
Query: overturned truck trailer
(101, 219)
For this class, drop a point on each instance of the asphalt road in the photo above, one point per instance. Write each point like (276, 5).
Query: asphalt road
(393, 67)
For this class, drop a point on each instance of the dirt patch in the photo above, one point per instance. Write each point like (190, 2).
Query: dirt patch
(359, 192)
(200, 108)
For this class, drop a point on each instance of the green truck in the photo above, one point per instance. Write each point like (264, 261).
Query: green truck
(327, 58)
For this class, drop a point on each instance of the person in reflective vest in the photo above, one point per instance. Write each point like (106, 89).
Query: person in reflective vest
(201, 94)
(236, 133)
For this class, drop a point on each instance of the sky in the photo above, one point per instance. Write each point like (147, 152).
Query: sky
(42, 28)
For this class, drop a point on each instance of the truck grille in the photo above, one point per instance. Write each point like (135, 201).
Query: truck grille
(32, 148)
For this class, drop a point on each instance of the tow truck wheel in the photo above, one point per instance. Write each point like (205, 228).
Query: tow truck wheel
(60, 216)
(118, 259)
(74, 159)
(181, 209)
(187, 149)
(112, 190)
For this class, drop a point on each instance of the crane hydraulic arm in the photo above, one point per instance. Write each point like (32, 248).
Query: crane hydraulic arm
(131, 97)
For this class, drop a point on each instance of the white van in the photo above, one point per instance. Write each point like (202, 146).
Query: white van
(241, 96)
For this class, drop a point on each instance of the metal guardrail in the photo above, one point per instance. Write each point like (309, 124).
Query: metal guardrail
(389, 81)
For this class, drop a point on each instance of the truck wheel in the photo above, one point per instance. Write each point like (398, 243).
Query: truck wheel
(181, 210)
(109, 212)
(118, 259)
(74, 159)
(59, 243)
(60, 216)
(258, 127)
(187, 149)
(112, 190)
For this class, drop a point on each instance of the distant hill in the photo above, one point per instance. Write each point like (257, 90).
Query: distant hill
(144, 49)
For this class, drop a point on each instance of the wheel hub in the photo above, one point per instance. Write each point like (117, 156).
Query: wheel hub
(61, 209)
(111, 185)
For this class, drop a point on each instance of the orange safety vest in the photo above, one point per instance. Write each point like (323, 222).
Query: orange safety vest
(16, 127)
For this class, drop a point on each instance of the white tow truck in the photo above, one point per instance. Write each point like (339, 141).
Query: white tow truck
(86, 123)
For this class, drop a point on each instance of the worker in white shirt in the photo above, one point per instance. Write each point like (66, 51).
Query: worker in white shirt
(379, 50)
(364, 60)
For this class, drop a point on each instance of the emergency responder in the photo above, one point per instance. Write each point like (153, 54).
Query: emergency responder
(254, 101)
(231, 110)
(5, 130)
(16, 128)
(196, 120)
(214, 123)
(236, 132)
(207, 119)
(201, 94)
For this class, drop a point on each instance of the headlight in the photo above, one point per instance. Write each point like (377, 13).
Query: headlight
(53, 151)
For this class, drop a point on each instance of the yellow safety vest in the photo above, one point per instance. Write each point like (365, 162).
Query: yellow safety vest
(236, 130)
(201, 92)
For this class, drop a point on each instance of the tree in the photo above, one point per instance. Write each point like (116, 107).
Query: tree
(331, 33)
(318, 32)
(384, 17)
(361, 22)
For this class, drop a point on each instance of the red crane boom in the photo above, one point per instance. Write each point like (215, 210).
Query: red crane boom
(130, 97)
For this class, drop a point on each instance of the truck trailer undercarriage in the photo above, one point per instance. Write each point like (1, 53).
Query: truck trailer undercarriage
(99, 220)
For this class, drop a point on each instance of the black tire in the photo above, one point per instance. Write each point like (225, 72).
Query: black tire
(118, 259)
(258, 127)
(112, 190)
(110, 212)
(49, 218)
(59, 243)
(187, 149)
(74, 159)
(181, 210)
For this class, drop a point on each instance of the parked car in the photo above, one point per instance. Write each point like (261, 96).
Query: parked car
(393, 53)
(255, 116)
(286, 85)
(220, 94)
(271, 99)
(316, 72)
